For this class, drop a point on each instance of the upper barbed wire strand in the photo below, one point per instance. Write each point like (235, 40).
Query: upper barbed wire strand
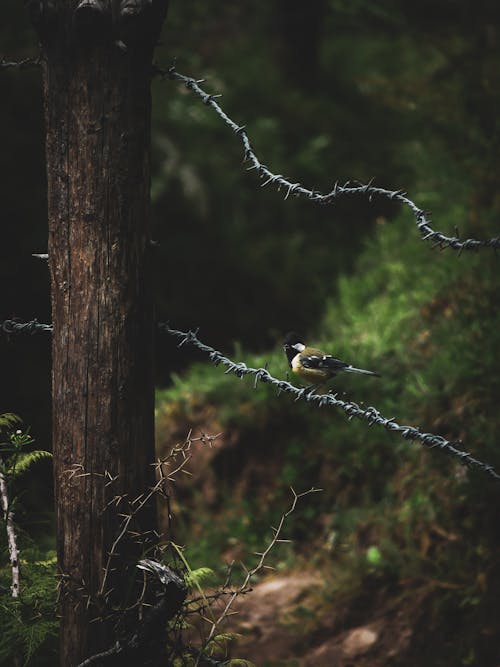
(422, 218)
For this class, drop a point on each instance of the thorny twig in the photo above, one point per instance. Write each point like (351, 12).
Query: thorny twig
(165, 474)
(250, 574)
(148, 635)
(348, 189)
(128, 509)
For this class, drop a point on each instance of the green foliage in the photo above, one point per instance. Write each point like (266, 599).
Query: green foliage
(200, 576)
(26, 460)
(405, 92)
(14, 460)
(29, 623)
(11, 449)
(8, 421)
(390, 511)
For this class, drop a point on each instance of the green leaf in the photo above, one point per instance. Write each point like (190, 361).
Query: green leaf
(23, 462)
(198, 576)
(8, 420)
(373, 556)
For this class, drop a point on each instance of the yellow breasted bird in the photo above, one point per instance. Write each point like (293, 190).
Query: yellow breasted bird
(314, 365)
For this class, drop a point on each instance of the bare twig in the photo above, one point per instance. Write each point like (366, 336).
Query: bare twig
(250, 574)
(150, 630)
(166, 469)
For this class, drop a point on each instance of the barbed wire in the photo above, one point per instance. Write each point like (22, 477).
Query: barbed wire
(349, 189)
(22, 64)
(369, 414)
(31, 327)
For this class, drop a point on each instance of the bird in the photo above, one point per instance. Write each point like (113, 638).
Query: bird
(313, 365)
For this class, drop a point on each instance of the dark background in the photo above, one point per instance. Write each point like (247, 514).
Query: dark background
(406, 93)
(328, 90)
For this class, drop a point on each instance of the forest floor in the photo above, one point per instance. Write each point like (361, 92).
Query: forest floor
(318, 608)
(282, 623)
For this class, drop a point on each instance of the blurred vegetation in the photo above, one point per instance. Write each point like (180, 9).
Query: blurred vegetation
(407, 93)
(391, 515)
(392, 518)
(28, 622)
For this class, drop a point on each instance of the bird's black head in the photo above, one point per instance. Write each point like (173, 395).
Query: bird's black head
(291, 339)
(292, 345)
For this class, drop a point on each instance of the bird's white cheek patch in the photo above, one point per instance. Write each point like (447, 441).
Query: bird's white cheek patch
(296, 363)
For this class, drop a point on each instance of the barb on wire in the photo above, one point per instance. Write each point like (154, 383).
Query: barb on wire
(22, 64)
(422, 218)
(370, 414)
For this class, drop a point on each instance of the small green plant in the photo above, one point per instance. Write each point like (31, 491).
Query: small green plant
(27, 615)
(14, 459)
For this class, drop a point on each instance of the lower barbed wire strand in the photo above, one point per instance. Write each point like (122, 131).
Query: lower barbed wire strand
(369, 414)
(31, 327)
(21, 64)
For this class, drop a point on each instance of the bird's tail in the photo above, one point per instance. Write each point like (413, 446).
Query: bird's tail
(351, 369)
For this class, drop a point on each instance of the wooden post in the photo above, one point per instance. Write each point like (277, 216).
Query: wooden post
(97, 58)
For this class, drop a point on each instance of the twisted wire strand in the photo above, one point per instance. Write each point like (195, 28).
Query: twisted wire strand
(31, 327)
(422, 219)
(22, 64)
(370, 414)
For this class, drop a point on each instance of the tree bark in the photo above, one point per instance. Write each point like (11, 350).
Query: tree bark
(97, 68)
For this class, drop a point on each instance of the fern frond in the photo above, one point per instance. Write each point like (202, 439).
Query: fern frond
(8, 420)
(198, 576)
(29, 624)
(24, 461)
(36, 635)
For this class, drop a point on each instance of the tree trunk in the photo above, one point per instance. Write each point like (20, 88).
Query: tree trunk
(97, 69)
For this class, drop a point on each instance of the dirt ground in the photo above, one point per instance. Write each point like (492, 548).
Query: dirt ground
(284, 621)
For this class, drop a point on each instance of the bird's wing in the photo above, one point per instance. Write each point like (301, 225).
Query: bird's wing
(319, 361)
